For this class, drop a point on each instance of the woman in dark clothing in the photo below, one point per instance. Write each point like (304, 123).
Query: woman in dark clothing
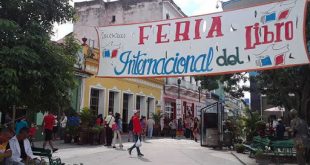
(196, 129)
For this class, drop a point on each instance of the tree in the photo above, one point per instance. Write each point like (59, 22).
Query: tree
(34, 71)
(231, 83)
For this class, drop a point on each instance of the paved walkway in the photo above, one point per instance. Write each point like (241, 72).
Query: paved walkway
(156, 151)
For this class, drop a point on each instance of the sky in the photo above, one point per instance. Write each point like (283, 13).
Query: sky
(189, 7)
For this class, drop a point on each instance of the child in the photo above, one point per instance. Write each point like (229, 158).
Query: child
(32, 133)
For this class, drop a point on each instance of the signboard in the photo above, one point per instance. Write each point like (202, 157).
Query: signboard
(268, 36)
(179, 113)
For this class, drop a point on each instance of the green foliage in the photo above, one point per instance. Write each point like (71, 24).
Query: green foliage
(279, 84)
(35, 71)
(239, 148)
(157, 116)
(250, 121)
(231, 83)
(86, 116)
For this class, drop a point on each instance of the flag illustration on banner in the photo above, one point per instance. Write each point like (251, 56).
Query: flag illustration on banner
(110, 54)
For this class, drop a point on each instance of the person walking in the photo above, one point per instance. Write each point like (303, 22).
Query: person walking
(173, 127)
(196, 129)
(109, 133)
(48, 123)
(63, 125)
(150, 127)
(143, 126)
(130, 128)
(117, 130)
(137, 130)
(55, 128)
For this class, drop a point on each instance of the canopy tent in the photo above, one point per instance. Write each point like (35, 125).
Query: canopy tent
(275, 109)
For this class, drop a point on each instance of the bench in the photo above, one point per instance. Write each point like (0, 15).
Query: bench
(48, 154)
(282, 147)
(258, 143)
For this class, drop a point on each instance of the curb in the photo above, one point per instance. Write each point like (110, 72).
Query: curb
(242, 162)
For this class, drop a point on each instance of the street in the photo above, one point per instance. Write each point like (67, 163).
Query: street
(156, 151)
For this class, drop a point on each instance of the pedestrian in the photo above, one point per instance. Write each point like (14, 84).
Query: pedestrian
(137, 130)
(143, 126)
(196, 129)
(150, 127)
(130, 128)
(300, 133)
(99, 120)
(117, 130)
(63, 125)
(21, 123)
(280, 130)
(191, 128)
(48, 124)
(187, 126)
(55, 128)
(173, 127)
(109, 133)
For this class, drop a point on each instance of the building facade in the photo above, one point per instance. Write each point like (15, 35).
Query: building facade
(105, 95)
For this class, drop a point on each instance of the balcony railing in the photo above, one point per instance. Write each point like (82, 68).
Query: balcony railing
(184, 84)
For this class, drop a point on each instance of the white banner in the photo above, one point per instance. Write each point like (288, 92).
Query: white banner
(269, 36)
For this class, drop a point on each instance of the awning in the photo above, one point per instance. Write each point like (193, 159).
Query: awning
(275, 109)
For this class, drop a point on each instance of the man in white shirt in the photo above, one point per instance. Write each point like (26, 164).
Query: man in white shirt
(21, 149)
(109, 122)
(150, 127)
(63, 124)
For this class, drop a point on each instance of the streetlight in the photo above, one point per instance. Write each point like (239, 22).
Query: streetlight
(199, 90)
(179, 83)
(261, 106)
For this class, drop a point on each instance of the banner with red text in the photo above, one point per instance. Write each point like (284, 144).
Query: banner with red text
(268, 36)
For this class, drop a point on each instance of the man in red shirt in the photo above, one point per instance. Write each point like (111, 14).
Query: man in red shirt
(48, 124)
(137, 129)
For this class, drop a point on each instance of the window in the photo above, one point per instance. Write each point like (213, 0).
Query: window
(113, 19)
(167, 16)
(94, 99)
(138, 101)
(111, 102)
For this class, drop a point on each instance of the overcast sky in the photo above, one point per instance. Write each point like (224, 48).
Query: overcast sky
(189, 7)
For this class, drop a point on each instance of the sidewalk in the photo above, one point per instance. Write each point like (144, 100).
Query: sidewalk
(246, 160)
(163, 151)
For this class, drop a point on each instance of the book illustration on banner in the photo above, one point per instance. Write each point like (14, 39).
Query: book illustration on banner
(112, 52)
(265, 57)
(271, 15)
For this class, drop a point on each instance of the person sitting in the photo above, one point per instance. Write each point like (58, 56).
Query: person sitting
(5, 152)
(21, 149)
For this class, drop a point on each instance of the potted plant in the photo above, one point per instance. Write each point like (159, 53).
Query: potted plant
(157, 117)
(94, 134)
(239, 148)
(86, 119)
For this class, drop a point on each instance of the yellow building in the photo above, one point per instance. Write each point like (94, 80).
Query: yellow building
(121, 95)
